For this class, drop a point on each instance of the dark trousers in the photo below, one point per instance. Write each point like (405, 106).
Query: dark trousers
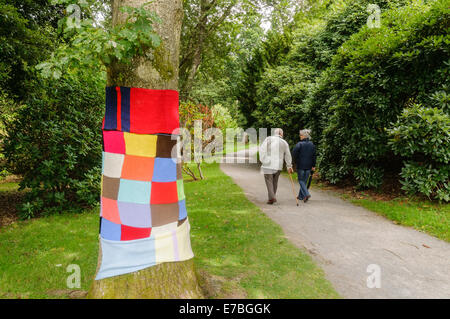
(303, 175)
(272, 184)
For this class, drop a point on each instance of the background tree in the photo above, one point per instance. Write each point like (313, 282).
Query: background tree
(218, 38)
(27, 36)
(202, 19)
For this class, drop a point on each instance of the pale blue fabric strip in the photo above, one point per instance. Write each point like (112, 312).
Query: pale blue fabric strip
(122, 257)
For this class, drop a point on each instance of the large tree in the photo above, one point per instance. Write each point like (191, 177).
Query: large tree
(156, 69)
(215, 33)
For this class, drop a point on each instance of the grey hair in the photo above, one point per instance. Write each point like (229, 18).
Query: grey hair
(277, 131)
(306, 133)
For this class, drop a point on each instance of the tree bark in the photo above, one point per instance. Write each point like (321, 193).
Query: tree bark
(157, 70)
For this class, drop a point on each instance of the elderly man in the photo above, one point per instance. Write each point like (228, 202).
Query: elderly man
(274, 151)
(304, 154)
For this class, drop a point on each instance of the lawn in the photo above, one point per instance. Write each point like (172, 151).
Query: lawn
(9, 186)
(239, 251)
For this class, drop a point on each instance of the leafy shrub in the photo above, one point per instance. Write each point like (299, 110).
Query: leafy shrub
(372, 78)
(319, 51)
(316, 107)
(216, 116)
(27, 36)
(54, 142)
(277, 92)
(191, 112)
(343, 20)
(7, 109)
(422, 136)
(441, 98)
(431, 181)
(368, 177)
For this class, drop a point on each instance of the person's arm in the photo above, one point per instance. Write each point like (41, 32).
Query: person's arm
(294, 154)
(287, 157)
(263, 151)
(294, 163)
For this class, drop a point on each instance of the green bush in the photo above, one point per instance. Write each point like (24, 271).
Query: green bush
(431, 181)
(317, 109)
(422, 133)
(441, 98)
(348, 83)
(422, 137)
(372, 78)
(27, 36)
(368, 177)
(340, 23)
(54, 143)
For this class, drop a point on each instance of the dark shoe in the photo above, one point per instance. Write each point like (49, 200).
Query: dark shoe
(299, 198)
(274, 200)
(270, 202)
(306, 198)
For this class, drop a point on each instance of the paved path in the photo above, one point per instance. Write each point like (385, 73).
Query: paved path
(345, 239)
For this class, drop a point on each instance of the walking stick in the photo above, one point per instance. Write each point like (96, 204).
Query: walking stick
(292, 184)
(309, 180)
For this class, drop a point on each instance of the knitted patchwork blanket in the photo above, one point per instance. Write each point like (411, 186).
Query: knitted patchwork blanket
(143, 218)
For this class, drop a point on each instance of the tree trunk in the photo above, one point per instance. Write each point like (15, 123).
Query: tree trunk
(156, 70)
(200, 170)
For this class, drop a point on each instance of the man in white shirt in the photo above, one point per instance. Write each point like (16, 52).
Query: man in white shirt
(273, 152)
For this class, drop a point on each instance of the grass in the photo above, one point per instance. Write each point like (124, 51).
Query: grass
(236, 148)
(9, 186)
(34, 254)
(239, 251)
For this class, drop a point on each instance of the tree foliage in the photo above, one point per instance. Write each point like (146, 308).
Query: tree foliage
(218, 40)
(27, 36)
(88, 43)
(269, 53)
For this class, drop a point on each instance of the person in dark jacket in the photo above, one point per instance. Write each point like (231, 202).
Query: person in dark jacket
(304, 157)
